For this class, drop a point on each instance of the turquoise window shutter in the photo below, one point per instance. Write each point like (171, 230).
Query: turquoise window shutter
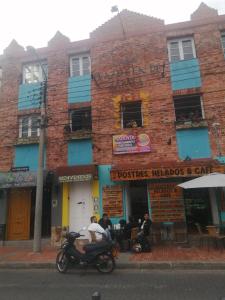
(26, 156)
(185, 74)
(80, 152)
(79, 89)
(193, 143)
(30, 95)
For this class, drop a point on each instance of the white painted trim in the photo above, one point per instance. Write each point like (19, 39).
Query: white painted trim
(180, 40)
(40, 72)
(80, 56)
(223, 37)
(29, 126)
(202, 107)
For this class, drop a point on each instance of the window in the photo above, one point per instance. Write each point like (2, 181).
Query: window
(81, 119)
(80, 65)
(181, 49)
(33, 73)
(0, 77)
(188, 108)
(29, 126)
(223, 41)
(131, 115)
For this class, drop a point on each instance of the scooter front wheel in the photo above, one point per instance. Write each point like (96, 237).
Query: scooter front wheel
(62, 262)
(105, 263)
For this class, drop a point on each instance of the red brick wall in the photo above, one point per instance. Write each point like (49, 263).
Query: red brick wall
(58, 64)
(153, 89)
(11, 69)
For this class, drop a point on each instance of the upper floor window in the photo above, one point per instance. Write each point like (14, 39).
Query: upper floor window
(181, 49)
(223, 41)
(188, 108)
(0, 77)
(33, 73)
(80, 65)
(81, 119)
(131, 115)
(29, 126)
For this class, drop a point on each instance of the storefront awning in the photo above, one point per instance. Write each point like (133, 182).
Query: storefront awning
(77, 173)
(167, 169)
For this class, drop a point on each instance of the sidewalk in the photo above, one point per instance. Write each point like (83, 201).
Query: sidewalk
(163, 257)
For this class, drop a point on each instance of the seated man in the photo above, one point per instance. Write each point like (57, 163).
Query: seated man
(96, 231)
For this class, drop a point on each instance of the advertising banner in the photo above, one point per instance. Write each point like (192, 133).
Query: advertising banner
(129, 143)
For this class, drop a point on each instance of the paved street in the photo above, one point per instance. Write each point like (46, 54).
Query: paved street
(123, 284)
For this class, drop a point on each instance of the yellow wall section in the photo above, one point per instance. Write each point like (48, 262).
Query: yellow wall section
(116, 103)
(65, 205)
(95, 194)
(143, 96)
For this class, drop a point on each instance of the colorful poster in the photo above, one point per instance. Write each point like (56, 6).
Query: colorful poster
(129, 143)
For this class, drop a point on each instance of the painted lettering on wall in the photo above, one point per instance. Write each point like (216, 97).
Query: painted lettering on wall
(112, 200)
(120, 175)
(167, 203)
(126, 76)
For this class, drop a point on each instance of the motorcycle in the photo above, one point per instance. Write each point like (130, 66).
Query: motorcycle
(100, 255)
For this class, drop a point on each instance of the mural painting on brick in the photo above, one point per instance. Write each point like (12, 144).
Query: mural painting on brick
(132, 112)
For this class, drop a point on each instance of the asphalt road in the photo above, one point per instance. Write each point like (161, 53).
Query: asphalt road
(121, 285)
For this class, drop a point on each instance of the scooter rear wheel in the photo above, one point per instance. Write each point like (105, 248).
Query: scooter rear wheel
(105, 263)
(62, 262)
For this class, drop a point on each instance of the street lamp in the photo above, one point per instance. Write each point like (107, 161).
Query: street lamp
(40, 170)
(215, 127)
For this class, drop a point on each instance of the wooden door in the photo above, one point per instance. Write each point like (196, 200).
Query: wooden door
(19, 206)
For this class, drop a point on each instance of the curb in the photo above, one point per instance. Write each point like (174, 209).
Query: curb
(182, 265)
(170, 265)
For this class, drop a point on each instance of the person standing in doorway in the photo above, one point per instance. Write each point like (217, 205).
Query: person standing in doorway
(146, 225)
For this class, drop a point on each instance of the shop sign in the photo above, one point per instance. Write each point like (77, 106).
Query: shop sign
(154, 173)
(74, 178)
(112, 200)
(129, 143)
(166, 202)
(20, 169)
(17, 179)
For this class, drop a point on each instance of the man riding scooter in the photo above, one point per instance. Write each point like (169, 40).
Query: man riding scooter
(100, 254)
(97, 232)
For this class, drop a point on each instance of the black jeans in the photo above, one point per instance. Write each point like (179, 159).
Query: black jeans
(144, 242)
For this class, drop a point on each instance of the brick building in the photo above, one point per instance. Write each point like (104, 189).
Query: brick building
(132, 112)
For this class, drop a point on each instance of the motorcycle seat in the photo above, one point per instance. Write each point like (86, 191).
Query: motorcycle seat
(95, 246)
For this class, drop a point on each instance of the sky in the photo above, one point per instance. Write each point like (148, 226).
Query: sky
(36, 22)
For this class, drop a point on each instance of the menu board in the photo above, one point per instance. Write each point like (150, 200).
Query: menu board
(113, 200)
(166, 202)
